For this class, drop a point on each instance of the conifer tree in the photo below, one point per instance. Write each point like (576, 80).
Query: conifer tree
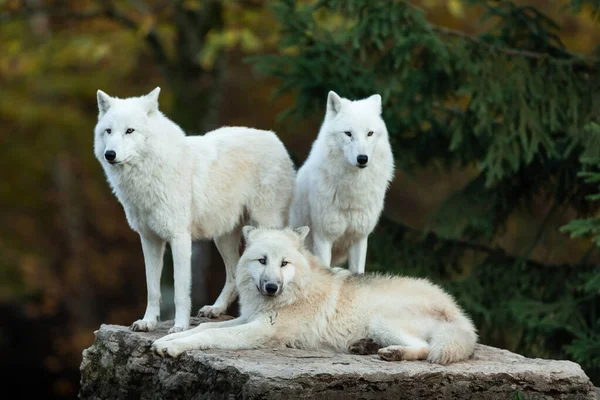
(513, 108)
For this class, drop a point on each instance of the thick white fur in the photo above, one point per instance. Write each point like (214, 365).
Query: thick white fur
(316, 308)
(338, 200)
(175, 188)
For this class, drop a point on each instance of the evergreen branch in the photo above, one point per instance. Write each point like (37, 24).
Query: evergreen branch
(450, 110)
(541, 229)
(577, 6)
(454, 111)
(471, 246)
(498, 252)
(514, 52)
(507, 50)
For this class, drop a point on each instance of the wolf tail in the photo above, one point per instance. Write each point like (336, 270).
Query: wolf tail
(452, 341)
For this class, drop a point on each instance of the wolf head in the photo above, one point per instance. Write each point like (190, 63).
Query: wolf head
(272, 260)
(123, 126)
(355, 127)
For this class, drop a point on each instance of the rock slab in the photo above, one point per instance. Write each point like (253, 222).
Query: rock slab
(120, 365)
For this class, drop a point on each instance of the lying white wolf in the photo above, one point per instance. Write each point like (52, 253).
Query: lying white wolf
(175, 188)
(288, 299)
(340, 188)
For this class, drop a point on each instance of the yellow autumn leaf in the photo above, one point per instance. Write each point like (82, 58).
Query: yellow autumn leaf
(456, 8)
(192, 5)
(147, 24)
(248, 41)
(430, 3)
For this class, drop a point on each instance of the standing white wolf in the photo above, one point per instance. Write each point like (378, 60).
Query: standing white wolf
(340, 188)
(288, 299)
(175, 188)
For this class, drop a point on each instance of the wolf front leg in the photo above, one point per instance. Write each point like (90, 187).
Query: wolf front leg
(202, 327)
(181, 247)
(229, 248)
(357, 256)
(154, 249)
(246, 336)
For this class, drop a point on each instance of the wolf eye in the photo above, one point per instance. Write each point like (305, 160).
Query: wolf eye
(284, 263)
(108, 130)
(348, 133)
(370, 133)
(263, 260)
(129, 130)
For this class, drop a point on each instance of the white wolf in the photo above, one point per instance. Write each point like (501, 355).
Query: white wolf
(288, 298)
(175, 188)
(340, 188)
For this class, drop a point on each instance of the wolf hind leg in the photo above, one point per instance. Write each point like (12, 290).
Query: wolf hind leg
(357, 256)
(397, 343)
(229, 248)
(322, 248)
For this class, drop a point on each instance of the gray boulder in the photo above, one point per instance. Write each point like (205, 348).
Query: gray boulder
(120, 365)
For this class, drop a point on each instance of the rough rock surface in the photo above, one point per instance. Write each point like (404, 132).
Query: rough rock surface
(120, 365)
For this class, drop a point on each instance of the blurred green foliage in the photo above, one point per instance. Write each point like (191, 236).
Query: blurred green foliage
(509, 109)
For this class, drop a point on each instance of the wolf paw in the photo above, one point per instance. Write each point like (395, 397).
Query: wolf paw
(400, 353)
(171, 349)
(177, 328)
(363, 347)
(177, 346)
(211, 311)
(143, 326)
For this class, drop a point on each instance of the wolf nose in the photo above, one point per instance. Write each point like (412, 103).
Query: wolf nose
(110, 155)
(271, 288)
(362, 159)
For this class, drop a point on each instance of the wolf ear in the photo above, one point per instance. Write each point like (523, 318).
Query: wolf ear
(334, 103)
(152, 100)
(302, 232)
(375, 101)
(247, 232)
(104, 102)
